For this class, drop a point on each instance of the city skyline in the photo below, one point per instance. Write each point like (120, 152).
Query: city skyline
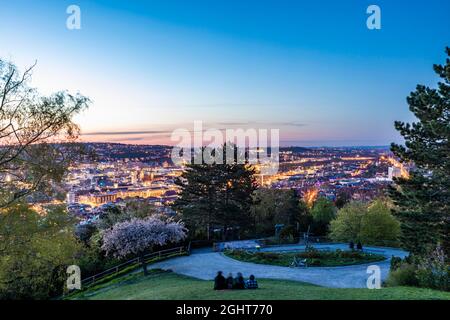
(314, 71)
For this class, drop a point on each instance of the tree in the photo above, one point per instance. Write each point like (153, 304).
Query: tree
(343, 197)
(422, 200)
(274, 206)
(137, 237)
(216, 195)
(305, 219)
(35, 251)
(370, 223)
(131, 209)
(322, 212)
(378, 225)
(198, 201)
(347, 225)
(32, 128)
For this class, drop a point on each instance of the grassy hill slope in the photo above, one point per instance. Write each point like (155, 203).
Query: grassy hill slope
(168, 285)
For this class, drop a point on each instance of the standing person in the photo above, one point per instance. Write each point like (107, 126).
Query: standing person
(251, 283)
(359, 245)
(229, 281)
(239, 282)
(219, 281)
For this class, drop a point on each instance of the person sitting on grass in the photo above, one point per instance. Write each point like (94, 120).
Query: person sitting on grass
(230, 281)
(251, 283)
(239, 282)
(219, 281)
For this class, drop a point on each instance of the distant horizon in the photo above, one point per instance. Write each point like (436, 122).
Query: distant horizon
(284, 147)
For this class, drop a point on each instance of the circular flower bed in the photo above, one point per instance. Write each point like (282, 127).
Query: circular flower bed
(311, 257)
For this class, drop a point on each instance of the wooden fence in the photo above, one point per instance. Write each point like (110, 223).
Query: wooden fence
(112, 272)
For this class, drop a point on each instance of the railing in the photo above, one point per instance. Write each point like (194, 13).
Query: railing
(272, 241)
(86, 282)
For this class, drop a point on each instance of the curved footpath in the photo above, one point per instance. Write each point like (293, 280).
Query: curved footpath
(204, 264)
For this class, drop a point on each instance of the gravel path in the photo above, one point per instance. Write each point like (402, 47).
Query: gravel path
(204, 265)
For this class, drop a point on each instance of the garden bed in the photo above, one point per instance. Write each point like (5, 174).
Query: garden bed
(314, 258)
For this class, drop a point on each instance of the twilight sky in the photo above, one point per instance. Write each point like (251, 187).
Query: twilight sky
(310, 68)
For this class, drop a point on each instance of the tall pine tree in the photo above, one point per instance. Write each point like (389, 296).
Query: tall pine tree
(423, 199)
(216, 196)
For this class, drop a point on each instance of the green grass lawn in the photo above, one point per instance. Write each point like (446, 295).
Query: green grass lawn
(314, 258)
(171, 286)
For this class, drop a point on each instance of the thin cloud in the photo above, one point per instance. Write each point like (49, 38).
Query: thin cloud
(112, 133)
(223, 126)
(290, 123)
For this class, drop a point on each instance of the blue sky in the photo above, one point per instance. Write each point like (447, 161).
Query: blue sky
(310, 68)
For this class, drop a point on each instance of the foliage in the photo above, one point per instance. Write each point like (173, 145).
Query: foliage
(342, 198)
(305, 219)
(92, 259)
(131, 209)
(378, 225)
(216, 195)
(138, 236)
(313, 257)
(395, 263)
(274, 206)
(35, 250)
(433, 271)
(423, 199)
(370, 223)
(32, 126)
(288, 233)
(322, 213)
(84, 232)
(403, 275)
(347, 225)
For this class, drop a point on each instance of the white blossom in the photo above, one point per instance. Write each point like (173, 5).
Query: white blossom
(136, 236)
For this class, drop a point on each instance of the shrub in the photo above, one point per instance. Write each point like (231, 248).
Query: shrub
(287, 233)
(311, 253)
(433, 272)
(314, 262)
(350, 254)
(395, 263)
(271, 256)
(404, 275)
(36, 250)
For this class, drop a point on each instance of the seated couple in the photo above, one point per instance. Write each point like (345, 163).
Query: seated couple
(222, 283)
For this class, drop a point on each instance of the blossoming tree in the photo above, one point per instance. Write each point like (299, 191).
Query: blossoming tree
(139, 236)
